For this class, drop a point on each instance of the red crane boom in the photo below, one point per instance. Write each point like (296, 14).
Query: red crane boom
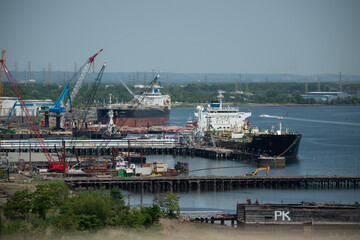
(54, 165)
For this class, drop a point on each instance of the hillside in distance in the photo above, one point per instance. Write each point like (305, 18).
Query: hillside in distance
(166, 78)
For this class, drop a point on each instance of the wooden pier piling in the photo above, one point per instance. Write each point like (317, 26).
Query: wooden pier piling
(214, 183)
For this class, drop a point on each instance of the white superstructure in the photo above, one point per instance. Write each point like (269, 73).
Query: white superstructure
(150, 98)
(219, 118)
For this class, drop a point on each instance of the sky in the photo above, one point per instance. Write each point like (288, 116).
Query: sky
(188, 36)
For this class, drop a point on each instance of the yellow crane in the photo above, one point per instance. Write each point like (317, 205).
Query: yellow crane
(3, 53)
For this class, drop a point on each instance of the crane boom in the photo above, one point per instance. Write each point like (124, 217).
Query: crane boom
(128, 89)
(54, 165)
(92, 93)
(57, 108)
(78, 84)
(3, 53)
(259, 169)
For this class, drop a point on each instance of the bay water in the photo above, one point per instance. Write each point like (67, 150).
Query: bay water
(330, 145)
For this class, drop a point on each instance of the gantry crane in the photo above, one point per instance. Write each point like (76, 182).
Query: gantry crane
(55, 165)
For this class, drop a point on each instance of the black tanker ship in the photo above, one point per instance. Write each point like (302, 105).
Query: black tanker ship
(284, 145)
(227, 127)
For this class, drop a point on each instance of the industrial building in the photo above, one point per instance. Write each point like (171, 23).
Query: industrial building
(325, 96)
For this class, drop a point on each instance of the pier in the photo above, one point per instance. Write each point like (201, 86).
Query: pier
(213, 183)
(304, 213)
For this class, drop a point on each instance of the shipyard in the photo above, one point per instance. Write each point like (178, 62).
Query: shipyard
(179, 119)
(117, 148)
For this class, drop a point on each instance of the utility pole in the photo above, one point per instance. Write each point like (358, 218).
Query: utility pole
(16, 68)
(49, 74)
(30, 156)
(340, 83)
(144, 79)
(128, 155)
(236, 84)
(240, 82)
(58, 79)
(247, 85)
(44, 77)
(8, 167)
(167, 83)
(29, 70)
(137, 77)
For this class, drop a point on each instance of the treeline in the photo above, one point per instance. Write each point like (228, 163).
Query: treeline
(262, 93)
(52, 210)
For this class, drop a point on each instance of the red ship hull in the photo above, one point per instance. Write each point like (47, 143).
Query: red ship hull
(135, 117)
(141, 122)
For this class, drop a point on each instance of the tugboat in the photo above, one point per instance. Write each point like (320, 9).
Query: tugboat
(227, 127)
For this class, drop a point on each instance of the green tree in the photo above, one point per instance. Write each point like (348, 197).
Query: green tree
(49, 196)
(169, 203)
(88, 222)
(92, 208)
(115, 193)
(18, 205)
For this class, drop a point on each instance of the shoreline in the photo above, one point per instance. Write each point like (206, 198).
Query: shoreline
(175, 105)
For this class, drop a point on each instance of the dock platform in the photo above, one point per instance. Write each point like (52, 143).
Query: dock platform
(214, 183)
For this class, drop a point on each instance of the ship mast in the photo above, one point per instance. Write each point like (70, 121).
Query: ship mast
(220, 97)
(110, 126)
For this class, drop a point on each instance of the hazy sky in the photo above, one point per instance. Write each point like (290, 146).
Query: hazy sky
(185, 36)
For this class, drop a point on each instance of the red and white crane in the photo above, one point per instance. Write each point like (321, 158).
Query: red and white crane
(85, 70)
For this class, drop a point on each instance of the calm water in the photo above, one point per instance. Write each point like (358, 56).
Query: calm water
(330, 145)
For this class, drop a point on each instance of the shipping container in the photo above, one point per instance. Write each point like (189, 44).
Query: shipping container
(121, 173)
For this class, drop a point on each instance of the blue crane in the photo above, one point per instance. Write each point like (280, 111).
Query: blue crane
(56, 108)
